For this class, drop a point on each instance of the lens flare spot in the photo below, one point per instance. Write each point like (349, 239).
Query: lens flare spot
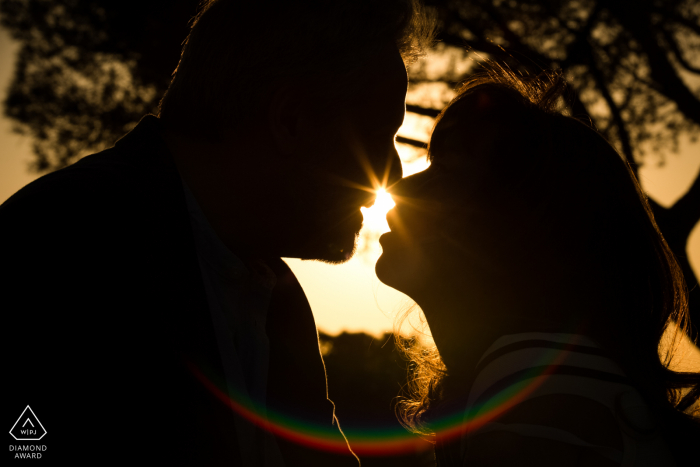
(375, 216)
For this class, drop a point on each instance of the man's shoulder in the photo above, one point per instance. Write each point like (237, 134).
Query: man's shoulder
(102, 175)
(112, 182)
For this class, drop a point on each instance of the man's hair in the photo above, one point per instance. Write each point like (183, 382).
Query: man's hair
(238, 53)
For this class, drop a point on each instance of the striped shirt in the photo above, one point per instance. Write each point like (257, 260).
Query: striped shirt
(522, 367)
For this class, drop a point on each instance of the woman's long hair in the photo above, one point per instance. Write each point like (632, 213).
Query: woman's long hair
(570, 182)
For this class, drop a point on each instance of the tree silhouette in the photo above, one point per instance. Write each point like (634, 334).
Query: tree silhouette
(87, 71)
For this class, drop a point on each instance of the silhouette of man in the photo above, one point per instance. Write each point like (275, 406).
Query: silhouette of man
(149, 316)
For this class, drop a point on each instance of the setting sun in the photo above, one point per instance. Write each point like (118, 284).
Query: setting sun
(375, 216)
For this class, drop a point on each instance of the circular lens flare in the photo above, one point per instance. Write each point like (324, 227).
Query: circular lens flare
(386, 441)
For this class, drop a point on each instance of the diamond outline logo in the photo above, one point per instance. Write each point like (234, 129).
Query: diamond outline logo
(35, 418)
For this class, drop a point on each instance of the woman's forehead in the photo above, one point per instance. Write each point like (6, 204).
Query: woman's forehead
(460, 143)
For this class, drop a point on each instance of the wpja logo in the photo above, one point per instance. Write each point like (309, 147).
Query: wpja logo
(28, 428)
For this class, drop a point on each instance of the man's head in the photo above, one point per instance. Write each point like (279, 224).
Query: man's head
(319, 87)
(238, 53)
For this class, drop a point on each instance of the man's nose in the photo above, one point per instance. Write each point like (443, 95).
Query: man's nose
(393, 169)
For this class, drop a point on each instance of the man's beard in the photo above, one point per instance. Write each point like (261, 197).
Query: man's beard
(334, 233)
(338, 251)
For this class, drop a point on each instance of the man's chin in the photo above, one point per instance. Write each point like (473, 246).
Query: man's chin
(338, 252)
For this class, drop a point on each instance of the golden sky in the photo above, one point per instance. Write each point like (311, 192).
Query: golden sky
(349, 296)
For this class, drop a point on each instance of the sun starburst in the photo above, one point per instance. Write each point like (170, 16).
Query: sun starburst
(375, 216)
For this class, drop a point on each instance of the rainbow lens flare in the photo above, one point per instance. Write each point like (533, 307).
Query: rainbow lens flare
(384, 441)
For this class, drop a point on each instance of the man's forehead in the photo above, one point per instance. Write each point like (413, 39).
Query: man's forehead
(386, 73)
(381, 98)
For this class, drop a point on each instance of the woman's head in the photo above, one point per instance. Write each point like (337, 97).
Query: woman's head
(537, 206)
(519, 194)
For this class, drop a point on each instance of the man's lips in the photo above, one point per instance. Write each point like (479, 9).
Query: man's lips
(355, 220)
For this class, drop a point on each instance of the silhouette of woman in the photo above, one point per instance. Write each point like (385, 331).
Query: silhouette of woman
(547, 286)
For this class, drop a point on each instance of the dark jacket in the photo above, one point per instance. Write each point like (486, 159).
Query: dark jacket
(105, 313)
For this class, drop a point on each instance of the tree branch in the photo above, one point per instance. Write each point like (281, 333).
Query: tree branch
(411, 142)
(662, 70)
(622, 133)
(487, 46)
(513, 38)
(416, 109)
(676, 18)
(576, 50)
(673, 45)
(451, 84)
(685, 213)
(578, 108)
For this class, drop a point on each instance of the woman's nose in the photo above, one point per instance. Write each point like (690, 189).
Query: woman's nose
(415, 207)
(403, 187)
(394, 169)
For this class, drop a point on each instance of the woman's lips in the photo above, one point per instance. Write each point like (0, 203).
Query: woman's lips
(383, 237)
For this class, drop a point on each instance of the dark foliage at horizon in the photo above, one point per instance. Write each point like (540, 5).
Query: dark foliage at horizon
(88, 70)
(365, 377)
